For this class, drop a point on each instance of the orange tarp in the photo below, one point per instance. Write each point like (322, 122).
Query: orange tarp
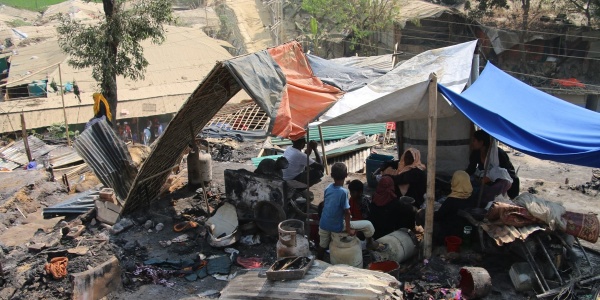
(304, 97)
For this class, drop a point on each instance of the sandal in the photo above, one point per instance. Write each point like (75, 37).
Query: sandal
(183, 226)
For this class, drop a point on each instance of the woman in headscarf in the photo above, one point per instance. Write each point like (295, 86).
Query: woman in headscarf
(411, 179)
(386, 212)
(459, 199)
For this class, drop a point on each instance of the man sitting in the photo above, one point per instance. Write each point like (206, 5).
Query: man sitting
(297, 167)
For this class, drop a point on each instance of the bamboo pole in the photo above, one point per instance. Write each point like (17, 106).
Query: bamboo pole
(323, 154)
(431, 160)
(62, 95)
(24, 135)
(307, 225)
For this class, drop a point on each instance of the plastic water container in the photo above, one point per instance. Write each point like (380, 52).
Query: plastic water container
(373, 162)
(344, 249)
(521, 276)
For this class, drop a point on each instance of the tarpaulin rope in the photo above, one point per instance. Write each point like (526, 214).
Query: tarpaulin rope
(57, 267)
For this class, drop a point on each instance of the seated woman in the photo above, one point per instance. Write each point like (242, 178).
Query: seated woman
(446, 220)
(386, 212)
(480, 144)
(411, 178)
(498, 179)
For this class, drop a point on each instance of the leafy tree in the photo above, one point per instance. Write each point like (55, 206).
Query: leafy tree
(362, 18)
(112, 47)
(590, 8)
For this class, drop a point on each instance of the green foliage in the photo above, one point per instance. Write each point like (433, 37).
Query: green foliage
(360, 17)
(34, 5)
(113, 47)
(87, 43)
(17, 23)
(58, 130)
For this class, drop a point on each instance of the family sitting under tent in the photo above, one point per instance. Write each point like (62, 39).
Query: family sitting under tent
(399, 198)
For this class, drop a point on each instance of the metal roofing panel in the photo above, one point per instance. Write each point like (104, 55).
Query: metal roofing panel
(322, 281)
(107, 155)
(336, 132)
(504, 234)
(16, 153)
(30, 59)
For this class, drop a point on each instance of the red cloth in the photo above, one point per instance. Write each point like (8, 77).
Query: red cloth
(385, 191)
(355, 210)
(583, 226)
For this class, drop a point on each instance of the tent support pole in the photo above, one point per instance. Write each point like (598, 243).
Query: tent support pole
(323, 154)
(431, 160)
(400, 138)
(307, 224)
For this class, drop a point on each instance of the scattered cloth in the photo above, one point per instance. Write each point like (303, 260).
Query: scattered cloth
(154, 274)
(250, 262)
(57, 267)
(547, 211)
(583, 226)
(511, 215)
(219, 265)
(233, 253)
(224, 277)
(250, 240)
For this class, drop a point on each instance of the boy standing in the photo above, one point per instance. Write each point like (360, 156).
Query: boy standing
(335, 218)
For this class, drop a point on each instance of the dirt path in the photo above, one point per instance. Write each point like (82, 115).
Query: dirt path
(253, 21)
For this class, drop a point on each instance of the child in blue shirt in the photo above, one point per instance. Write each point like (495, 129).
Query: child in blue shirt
(335, 218)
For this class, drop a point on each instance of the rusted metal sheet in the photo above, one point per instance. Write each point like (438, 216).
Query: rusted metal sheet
(215, 90)
(16, 152)
(63, 156)
(107, 155)
(322, 281)
(504, 234)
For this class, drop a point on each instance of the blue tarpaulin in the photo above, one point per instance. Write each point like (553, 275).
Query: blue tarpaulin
(530, 120)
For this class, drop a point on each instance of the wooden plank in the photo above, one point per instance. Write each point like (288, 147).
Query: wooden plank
(24, 135)
(431, 161)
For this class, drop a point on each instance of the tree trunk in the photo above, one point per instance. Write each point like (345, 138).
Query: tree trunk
(109, 80)
(523, 35)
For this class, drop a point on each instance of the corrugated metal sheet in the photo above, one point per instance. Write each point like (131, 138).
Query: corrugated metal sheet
(30, 59)
(16, 153)
(107, 155)
(322, 281)
(336, 132)
(64, 156)
(354, 159)
(504, 234)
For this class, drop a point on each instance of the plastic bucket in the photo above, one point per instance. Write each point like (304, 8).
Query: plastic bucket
(453, 243)
(374, 161)
(389, 266)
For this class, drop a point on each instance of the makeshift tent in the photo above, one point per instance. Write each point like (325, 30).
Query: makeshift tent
(281, 81)
(283, 84)
(401, 94)
(346, 78)
(530, 120)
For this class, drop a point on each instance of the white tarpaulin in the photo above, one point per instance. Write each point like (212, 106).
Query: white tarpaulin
(401, 94)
